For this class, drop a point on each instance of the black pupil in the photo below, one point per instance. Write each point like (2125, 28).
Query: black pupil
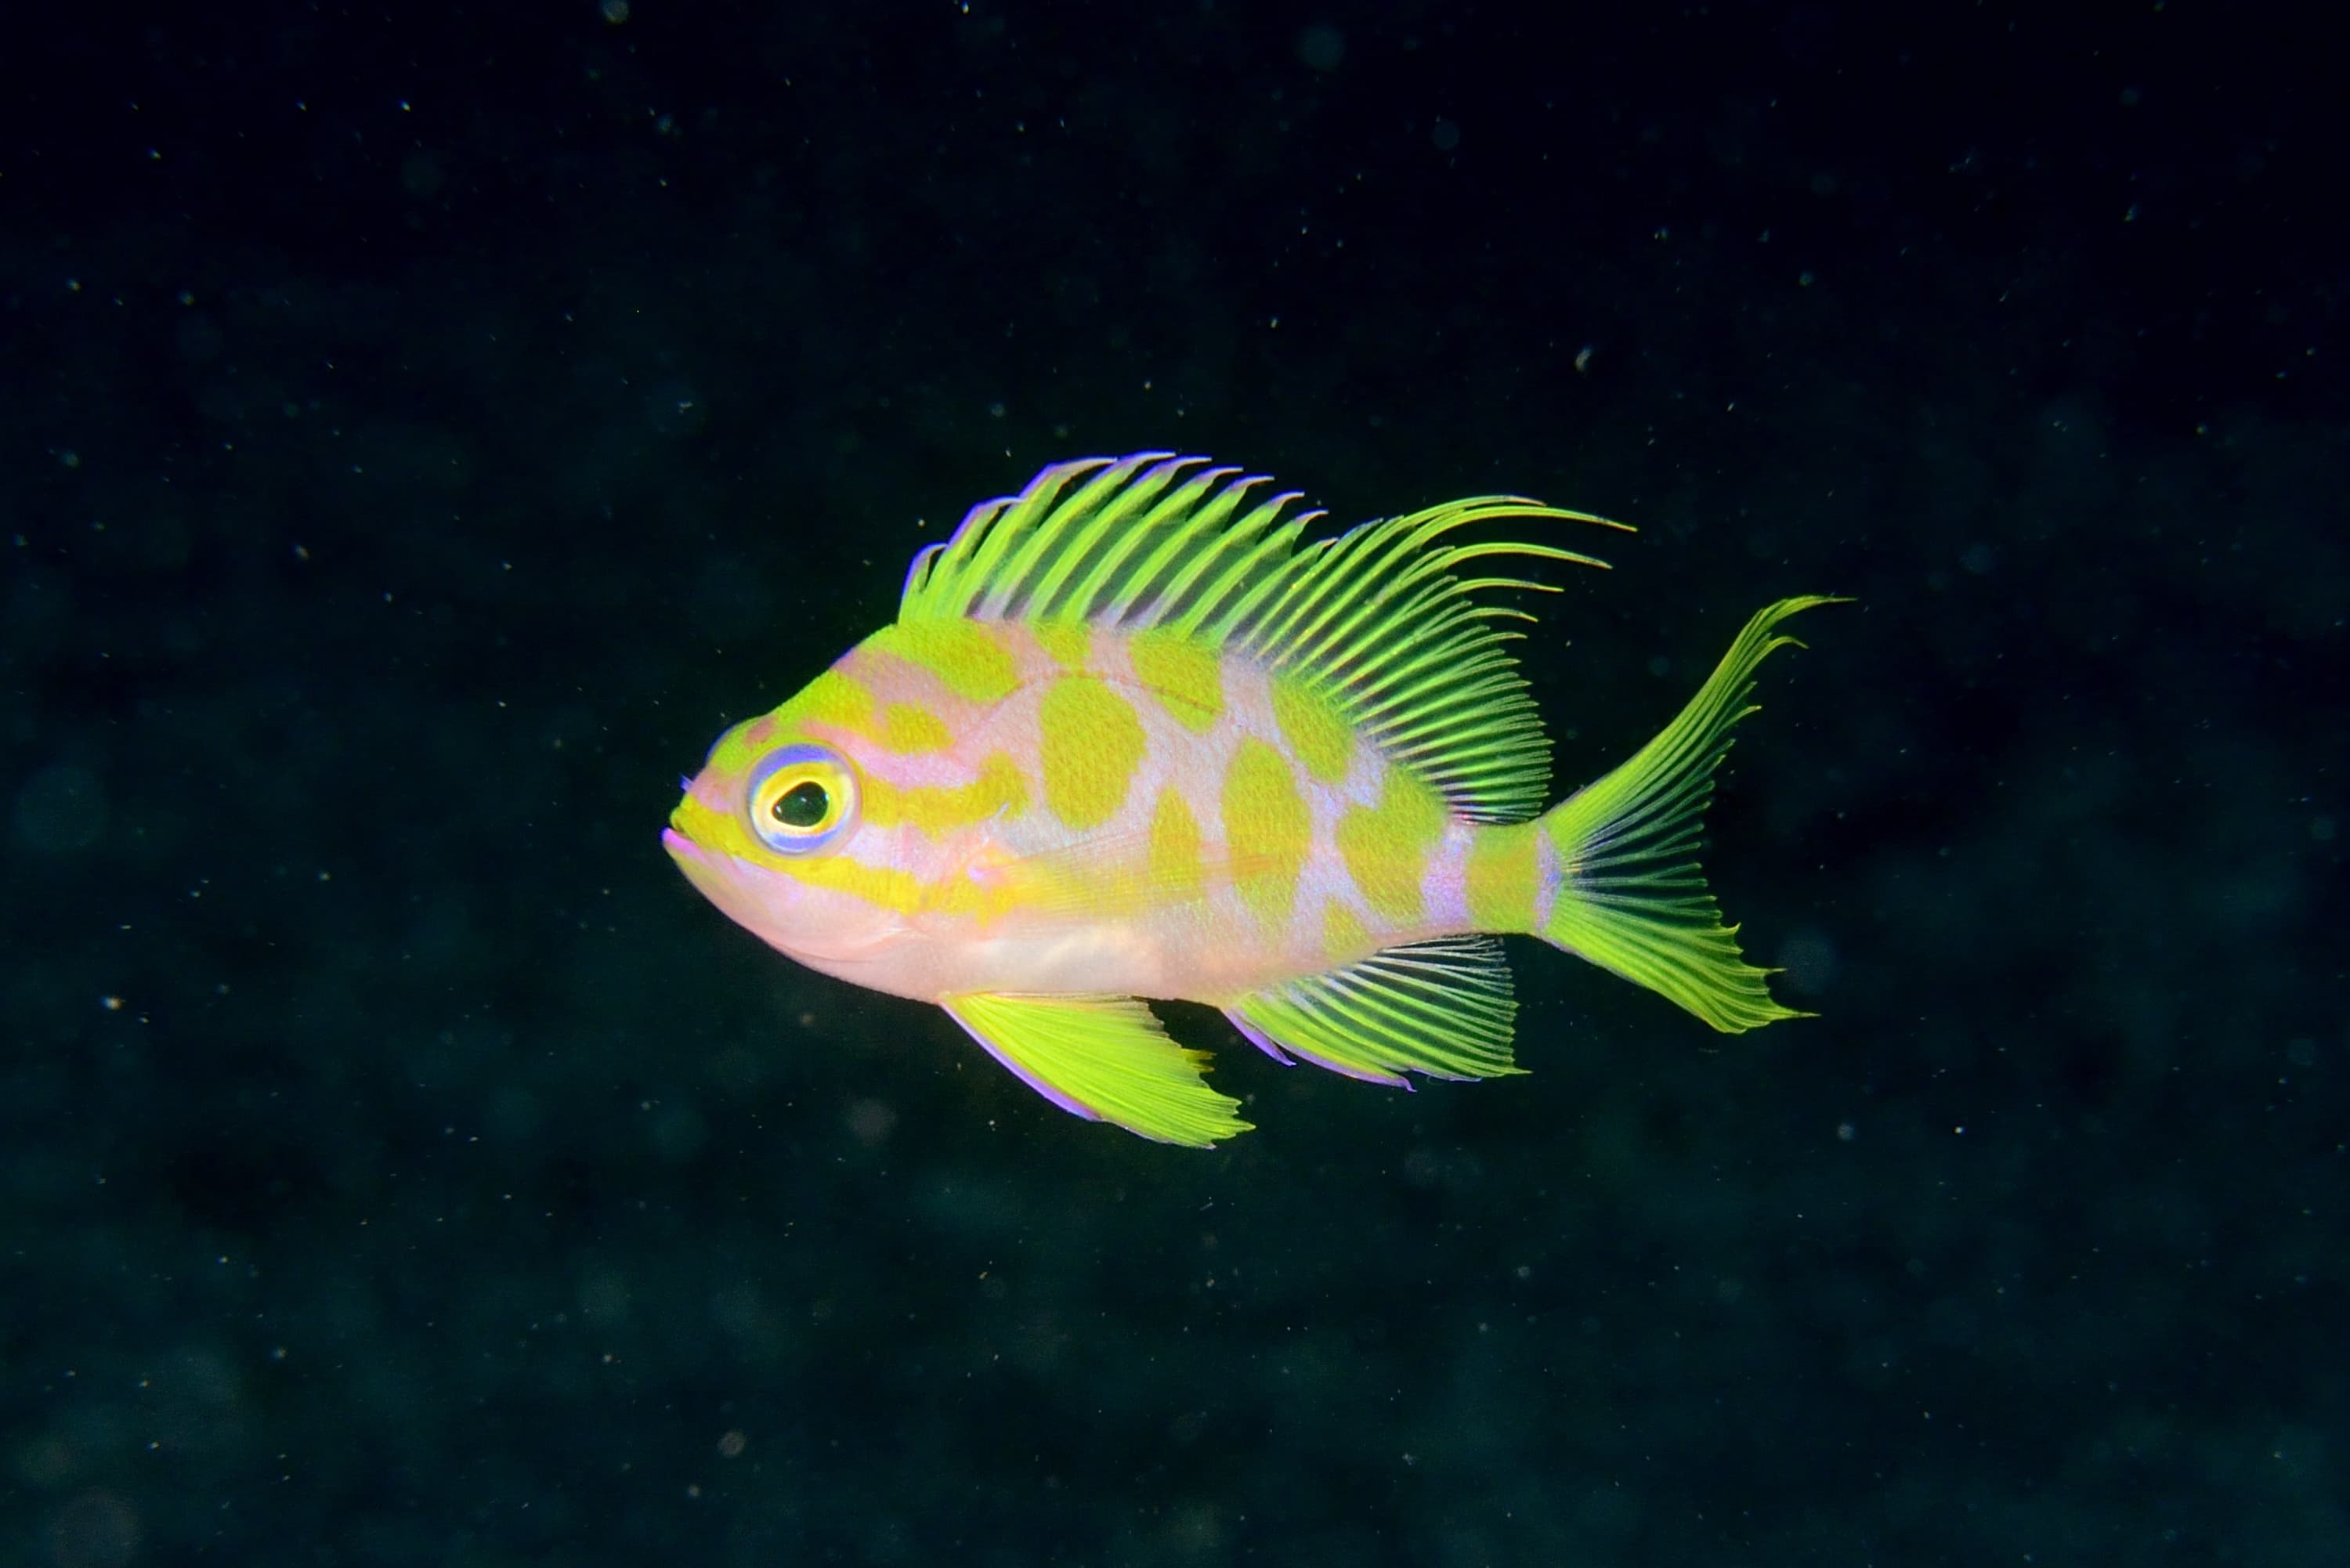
(803, 805)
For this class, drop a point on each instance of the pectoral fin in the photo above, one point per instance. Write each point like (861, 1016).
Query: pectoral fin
(1105, 1058)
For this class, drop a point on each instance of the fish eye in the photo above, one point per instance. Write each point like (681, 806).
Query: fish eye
(801, 799)
(802, 805)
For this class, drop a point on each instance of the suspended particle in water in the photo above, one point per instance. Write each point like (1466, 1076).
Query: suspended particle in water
(1321, 47)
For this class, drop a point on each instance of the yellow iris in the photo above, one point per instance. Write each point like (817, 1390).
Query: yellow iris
(801, 798)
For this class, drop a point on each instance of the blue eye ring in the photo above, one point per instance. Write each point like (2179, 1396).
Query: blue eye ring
(801, 799)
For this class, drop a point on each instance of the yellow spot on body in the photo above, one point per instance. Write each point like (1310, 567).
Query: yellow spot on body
(968, 657)
(1186, 678)
(1310, 723)
(937, 809)
(906, 728)
(1344, 940)
(1065, 643)
(1500, 881)
(840, 701)
(1386, 846)
(1267, 830)
(1175, 864)
(1093, 744)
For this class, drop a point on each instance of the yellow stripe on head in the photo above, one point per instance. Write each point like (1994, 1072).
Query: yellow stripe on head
(838, 701)
(969, 658)
(833, 699)
(909, 729)
(901, 892)
(939, 809)
(883, 885)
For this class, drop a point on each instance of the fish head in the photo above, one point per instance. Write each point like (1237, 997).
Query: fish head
(773, 831)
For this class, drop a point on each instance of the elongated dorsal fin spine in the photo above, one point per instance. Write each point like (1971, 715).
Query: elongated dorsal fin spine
(1158, 528)
(1110, 521)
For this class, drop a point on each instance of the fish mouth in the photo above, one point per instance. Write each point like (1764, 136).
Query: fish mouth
(703, 866)
(712, 871)
(717, 876)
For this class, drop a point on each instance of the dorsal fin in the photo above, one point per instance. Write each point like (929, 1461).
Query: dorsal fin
(1375, 617)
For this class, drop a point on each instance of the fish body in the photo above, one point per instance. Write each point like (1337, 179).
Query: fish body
(1133, 736)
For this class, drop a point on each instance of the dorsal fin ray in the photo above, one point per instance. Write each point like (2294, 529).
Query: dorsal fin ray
(1378, 619)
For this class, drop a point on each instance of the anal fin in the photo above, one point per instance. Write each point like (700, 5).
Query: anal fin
(1440, 1008)
(1105, 1058)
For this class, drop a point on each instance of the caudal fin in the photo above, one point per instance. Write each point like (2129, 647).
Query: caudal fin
(1630, 897)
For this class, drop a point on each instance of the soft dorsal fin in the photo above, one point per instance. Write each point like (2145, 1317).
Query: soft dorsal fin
(1375, 617)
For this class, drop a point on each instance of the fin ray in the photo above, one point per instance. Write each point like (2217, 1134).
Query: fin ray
(1105, 1058)
(1631, 897)
(1443, 1008)
(1379, 619)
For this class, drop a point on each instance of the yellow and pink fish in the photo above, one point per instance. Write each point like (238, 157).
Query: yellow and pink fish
(1133, 736)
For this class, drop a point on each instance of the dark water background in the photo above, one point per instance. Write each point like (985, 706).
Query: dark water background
(425, 430)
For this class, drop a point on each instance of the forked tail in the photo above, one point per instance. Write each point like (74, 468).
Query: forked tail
(1630, 897)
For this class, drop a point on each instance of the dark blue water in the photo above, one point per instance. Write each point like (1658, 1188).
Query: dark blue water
(425, 432)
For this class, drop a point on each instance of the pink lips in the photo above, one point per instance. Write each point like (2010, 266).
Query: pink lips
(680, 846)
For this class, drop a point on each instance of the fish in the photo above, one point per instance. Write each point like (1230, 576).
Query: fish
(1134, 736)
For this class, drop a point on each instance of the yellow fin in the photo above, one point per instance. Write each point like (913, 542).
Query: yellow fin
(1630, 897)
(1105, 1058)
(1383, 634)
(1443, 1008)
